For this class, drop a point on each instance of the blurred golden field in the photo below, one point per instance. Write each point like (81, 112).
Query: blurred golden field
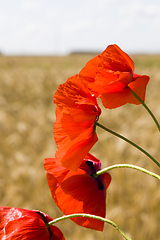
(27, 86)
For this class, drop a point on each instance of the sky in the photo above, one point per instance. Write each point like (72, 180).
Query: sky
(58, 27)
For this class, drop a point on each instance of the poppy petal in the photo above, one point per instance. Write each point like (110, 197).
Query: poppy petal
(110, 73)
(139, 87)
(117, 60)
(80, 191)
(22, 224)
(110, 81)
(74, 94)
(107, 178)
(26, 228)
(72, 155)
(58, 171)
(89, 71)
(56, 233)
(74, 128)
(73, 138)
(116, 99)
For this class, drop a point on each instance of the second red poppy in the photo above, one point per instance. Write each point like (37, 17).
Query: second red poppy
(74, 129)
(81, 191)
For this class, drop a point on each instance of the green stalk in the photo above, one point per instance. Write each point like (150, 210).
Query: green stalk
(130, 142)
(89, 216)
(127, 166)
(149, 111)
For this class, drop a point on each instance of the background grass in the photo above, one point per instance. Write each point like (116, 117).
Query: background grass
(27, 86)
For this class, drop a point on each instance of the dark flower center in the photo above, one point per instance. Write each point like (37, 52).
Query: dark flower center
(93, 173)
(46, 223)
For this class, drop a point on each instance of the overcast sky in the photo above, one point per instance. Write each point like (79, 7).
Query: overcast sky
(62, 26)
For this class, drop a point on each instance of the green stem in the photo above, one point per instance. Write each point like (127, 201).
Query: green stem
(130, 142)
(127, 166)
(89, 216)
(149, 111)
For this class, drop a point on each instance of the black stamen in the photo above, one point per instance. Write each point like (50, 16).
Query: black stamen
(100, 186)
(91, 166)
(93, 172)
(46, 223)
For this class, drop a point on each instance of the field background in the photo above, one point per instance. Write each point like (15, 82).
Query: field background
(27, 86)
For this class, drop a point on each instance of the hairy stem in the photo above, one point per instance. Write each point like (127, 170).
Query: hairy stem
(89, 216)
(146, 107)
(130, 142)
(127, 166)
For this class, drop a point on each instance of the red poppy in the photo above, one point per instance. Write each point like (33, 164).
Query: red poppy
(79, 192)
(22, 224)
(74, 129)
(111, 76)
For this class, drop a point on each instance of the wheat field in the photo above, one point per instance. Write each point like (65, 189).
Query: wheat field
(27, 87)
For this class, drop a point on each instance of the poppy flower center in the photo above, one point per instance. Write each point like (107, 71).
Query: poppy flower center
(46, 223)
(93, 174)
